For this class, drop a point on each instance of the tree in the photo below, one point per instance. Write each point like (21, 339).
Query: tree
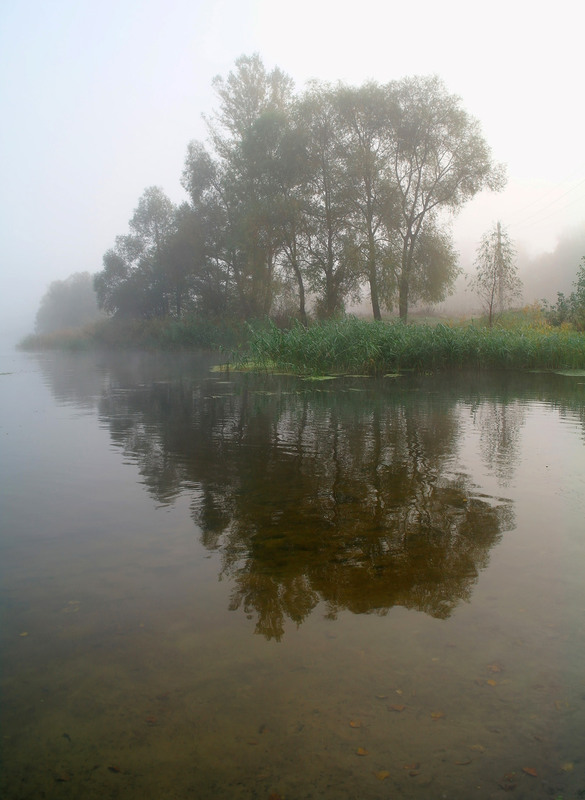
(367, 143)
(245, 95)
(577, 298)
(212, 224)
(329, 242)
(138, 279)
(248, 134)
(439, 161)
(435, 266)
(313, 194)
(569, 309)
(71, 303)
(496, 280)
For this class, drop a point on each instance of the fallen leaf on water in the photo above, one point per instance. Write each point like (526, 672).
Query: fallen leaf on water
(382, 775)
(568, 766)
(437, 714)
(355, 723)
(381, 696)
(414, 765)
(413, 773)
(479, 747)
(396, 708)
(361, 752)
(495, 667)
(530, 771)
(24, 633)
(491, 682)
(463, 763)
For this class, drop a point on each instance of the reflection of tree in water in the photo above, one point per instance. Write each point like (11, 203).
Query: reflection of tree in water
(342, 497)
(499, 422)
(345, 498)
(370, 516)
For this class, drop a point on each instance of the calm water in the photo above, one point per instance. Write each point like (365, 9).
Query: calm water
(236, 586)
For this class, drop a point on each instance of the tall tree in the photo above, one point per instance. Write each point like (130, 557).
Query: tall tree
(213, 222)
(247, 135)
(367, 143)
(332, 263)
(496, 280)
(135, 280)
(440, 160)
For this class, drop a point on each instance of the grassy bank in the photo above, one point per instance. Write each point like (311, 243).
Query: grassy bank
(348, 345)
(153, 334)
(357, 346)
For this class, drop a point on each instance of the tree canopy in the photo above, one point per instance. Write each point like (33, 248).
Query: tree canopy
(70, 303)
(305, 198)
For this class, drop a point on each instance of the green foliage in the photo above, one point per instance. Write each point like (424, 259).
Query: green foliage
(138, 279)
(351, 345)
(569, 310)
(320, 193)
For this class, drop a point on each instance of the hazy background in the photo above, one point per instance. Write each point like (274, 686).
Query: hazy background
(100, 100)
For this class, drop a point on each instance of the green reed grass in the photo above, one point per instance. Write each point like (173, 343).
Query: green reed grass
(351, 345)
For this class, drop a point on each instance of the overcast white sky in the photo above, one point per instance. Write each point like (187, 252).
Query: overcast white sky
(99, 101)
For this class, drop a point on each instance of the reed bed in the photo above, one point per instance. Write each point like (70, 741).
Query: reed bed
(149, 334)
(354, 346)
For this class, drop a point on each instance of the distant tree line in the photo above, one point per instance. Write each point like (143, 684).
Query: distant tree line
(313, 195)
(68, 304)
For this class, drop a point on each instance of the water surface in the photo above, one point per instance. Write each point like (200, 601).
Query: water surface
(234, 586)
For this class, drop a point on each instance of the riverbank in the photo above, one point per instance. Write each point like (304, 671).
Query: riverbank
(348, 345)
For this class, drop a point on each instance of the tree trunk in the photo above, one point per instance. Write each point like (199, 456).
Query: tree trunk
(299, 276)
(302, 309)
(373, 277)
(374, 297)
(403, 285)
(403, 300)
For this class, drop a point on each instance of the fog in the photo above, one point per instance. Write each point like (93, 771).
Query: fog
(100, 101)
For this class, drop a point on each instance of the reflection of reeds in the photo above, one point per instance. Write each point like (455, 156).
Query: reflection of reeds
(359, 346)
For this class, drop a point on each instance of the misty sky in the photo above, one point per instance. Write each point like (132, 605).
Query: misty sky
(99, 101)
